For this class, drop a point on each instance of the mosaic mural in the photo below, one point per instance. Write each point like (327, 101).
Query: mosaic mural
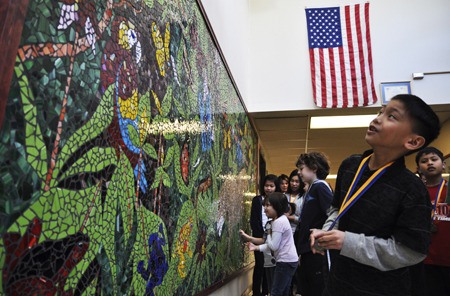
(126, 157)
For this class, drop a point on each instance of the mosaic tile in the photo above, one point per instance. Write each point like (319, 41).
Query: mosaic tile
(126, 156)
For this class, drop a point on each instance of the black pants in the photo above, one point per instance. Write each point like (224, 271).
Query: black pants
(437, 279)
(259, 276)
(418, 286)
(310, 274)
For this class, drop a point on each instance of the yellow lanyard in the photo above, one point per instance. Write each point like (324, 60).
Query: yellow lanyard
(351, 198)
(441, 187)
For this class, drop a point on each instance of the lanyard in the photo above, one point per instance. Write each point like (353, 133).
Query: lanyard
(351, 198)
(441, 187)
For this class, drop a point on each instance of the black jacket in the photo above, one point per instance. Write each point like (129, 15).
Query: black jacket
(256, 217)
(397, 205)
(313, 214)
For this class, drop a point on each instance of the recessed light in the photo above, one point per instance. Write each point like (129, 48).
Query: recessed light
(348, 121)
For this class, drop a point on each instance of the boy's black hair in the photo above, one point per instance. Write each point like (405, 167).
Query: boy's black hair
(272, 178)
(428, 150)
(278, 202)
(315, 161)
(425, 122)
(302, 184)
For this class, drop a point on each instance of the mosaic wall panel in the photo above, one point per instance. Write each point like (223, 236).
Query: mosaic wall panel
(126, 159)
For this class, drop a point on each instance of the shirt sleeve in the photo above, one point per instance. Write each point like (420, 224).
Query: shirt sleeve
(332, 214)
(272, 242)
(382, 254)
(294, 219)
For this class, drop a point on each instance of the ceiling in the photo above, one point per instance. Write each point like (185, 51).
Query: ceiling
(285, 135)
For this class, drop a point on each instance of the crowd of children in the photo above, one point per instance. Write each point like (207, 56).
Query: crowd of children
(383, 231)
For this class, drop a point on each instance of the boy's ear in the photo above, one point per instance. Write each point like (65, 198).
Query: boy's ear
(415, 142)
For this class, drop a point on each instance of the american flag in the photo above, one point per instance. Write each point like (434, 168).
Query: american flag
(341, 56)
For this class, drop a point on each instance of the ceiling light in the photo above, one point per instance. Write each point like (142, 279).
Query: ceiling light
(331, 177)
(348, 121)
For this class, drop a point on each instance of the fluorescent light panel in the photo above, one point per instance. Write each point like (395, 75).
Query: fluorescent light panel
(348, 121)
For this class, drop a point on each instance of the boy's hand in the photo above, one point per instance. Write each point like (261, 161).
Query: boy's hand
(333, 239)
(314, 237)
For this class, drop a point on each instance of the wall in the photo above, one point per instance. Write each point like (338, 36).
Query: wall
(126, 156)
(443, 143)
(407, 36)
(241, 285)
(230, 21)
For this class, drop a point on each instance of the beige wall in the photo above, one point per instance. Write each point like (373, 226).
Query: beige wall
(241, 285)
(443, 142)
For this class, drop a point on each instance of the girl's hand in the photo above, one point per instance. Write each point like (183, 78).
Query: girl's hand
(244, 235)
(252, 247)
(293, 218)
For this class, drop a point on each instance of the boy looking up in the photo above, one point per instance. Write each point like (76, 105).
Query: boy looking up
(384, 221)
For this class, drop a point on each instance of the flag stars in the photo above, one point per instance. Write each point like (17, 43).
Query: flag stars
(323, 27)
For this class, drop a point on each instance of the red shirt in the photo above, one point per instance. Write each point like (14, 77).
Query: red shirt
(439, 251)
